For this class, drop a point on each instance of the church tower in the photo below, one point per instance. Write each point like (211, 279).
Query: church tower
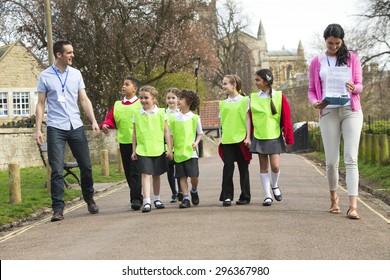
(262, 60)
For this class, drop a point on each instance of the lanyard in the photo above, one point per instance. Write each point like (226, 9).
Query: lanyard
(327, 58)
(58, 76)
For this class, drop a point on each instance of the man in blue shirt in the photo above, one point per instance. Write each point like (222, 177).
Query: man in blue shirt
(61, 86)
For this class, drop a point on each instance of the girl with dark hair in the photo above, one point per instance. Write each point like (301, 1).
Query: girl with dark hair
(119, 117)
(337, 119)
(234, 147)
(271, 121)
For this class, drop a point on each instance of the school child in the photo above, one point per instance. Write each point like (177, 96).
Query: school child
(150, 129)
(120, 117)
(186, 133)
(235, 143)
(271, 121)
(172, 111)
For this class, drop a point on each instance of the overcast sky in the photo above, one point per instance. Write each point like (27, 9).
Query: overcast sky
(288, 21)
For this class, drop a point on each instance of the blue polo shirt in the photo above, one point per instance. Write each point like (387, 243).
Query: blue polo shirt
(62, 92)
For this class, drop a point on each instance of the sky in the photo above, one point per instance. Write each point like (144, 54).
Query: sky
(286, 22)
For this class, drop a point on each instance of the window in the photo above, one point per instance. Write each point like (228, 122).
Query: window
(3, 104)
(21, 104)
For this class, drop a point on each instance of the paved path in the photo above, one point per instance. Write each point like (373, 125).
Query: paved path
(298, 228)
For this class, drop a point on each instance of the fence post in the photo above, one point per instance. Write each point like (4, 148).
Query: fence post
(367, 157)
(15, 194)
(383, 148)
(375, 149)
(120, 163)
(104, 162)
(362, 145)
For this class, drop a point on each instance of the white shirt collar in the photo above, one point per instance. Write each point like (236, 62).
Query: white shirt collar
(131, 100)
(153, 111)
(234, 99)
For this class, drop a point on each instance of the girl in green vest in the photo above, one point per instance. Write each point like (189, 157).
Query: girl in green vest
(271, 121)
(120, 117)
(186, 133)
(150, 129)
(236, 129)
(172, 111)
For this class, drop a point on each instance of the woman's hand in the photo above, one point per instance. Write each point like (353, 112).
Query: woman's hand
(320, 105)
(350, 86)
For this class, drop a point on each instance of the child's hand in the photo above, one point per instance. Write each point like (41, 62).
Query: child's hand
(194, 146)
(105, 129)
(247, 142)
(169, 155)
(134, 156)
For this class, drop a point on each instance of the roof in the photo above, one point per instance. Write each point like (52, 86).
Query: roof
(281, 53)
(209, 114)
(4, 50)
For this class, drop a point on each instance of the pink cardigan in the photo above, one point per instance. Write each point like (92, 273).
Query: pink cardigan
(315, 91)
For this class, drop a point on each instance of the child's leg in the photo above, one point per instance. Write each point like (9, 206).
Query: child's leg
(171, 177)
(264, 177)
(194, 190)
(184, 185)
(146, 192)
(275, 172)
(156, 192)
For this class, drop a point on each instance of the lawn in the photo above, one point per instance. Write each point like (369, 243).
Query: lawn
(35, 195)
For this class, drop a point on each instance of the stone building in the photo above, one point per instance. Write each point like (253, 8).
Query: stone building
(19, 71)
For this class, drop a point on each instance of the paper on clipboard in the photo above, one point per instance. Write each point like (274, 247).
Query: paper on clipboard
(336, 79)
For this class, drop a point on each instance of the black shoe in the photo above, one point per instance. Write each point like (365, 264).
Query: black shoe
(174, 198)
(136, 205)
(180, 196)
(277, 197)
(185, 204)
(267, 201)
(194, 198)
(158, 204)
(227, 203)
(242, 202)
(57, 216)
(147, 207)
(92, 207)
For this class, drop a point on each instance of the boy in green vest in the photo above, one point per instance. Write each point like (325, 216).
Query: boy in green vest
(120, 117)
(186, 133)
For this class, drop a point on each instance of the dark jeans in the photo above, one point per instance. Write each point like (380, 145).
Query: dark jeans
(232, 153)
(78, 143)
(133, 177)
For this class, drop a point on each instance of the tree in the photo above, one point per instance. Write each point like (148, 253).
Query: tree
(113, 38)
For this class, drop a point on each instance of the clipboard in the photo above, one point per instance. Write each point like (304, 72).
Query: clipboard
(336, 100)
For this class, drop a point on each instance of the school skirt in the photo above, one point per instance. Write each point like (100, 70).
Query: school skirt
(268, 147)
(188, 168)
(153, 165)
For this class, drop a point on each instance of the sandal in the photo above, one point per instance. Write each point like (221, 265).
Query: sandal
(147, 207)
(353, 214)
(334, 207)
(158, 204)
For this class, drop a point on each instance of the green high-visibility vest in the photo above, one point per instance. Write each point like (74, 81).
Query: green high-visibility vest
(184, 134)
(123, 115)
(266, 126)
(233, 120)
(150, 133)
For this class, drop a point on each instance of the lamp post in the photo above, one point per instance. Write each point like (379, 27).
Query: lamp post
(196, 69)
(196, 59)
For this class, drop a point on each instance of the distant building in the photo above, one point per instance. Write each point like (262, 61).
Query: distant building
(19, 71)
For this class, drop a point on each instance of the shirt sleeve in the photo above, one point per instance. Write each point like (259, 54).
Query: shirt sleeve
(110, 120)
(286, 121)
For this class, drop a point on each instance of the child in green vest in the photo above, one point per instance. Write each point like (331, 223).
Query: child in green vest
(150, 129)
(236, 133)
(271, 121)
(120, 117)
(186, 133)
(172, 111)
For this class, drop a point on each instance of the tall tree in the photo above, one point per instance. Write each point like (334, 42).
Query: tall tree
(113, 38)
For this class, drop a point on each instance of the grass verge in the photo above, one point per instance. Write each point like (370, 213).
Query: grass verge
(35, 195)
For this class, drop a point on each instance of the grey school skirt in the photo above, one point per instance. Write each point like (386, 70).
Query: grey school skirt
(268, 147)
(153, 165)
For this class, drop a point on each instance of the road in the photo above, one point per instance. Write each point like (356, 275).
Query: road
(298, 228)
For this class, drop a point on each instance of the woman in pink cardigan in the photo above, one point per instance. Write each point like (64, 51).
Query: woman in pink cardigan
(328, 73)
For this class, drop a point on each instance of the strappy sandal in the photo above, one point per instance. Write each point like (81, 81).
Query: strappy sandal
(334, 207)
(353, 214)
(158, 204)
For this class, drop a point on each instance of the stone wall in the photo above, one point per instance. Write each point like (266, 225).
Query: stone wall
(18, 145)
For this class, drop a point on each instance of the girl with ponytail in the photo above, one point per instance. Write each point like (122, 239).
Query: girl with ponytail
(272, 130)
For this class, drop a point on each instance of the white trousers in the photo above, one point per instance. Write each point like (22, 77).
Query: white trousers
(333, 123)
